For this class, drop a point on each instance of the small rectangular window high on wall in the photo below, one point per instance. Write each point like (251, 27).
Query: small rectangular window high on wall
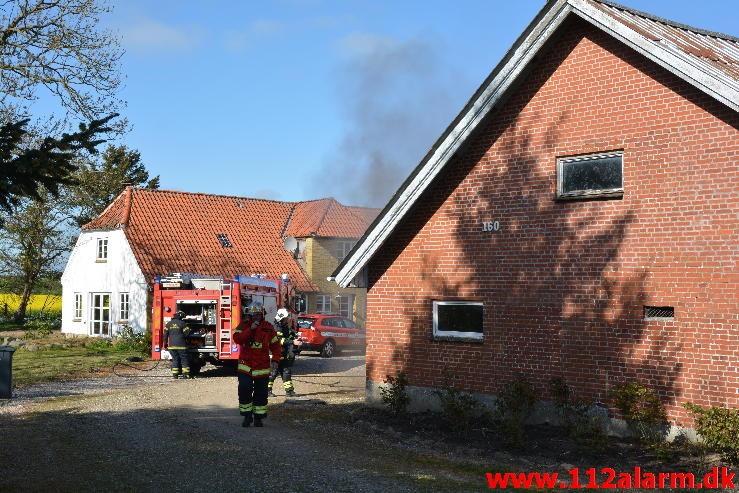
(594, 175)
(102, 250)
(659, 313)
(458, 319)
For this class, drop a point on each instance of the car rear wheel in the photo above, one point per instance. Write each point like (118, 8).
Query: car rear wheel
(328, 349)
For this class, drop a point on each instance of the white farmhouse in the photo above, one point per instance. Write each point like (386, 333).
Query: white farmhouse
(103, 287)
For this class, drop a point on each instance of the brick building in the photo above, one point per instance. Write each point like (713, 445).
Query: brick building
(578, 219)
(324, 231)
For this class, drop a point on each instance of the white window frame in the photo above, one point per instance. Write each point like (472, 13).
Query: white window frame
(123, 307)
(453, 334)
(343, 247)
(77, 306)
(100, 323)
(322, 301)
(584, 194)
(102, 250)
(345, 305)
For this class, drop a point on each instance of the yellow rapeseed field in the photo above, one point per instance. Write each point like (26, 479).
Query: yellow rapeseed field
(39, 302)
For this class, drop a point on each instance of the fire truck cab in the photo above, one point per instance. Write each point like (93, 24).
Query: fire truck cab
(213, 307)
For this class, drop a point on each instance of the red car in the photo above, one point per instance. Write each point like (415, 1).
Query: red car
(327, 333)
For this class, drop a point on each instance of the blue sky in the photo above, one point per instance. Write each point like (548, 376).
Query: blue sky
(302, 99)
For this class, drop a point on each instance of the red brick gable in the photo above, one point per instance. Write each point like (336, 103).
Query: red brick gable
(172, 231)
(329, 218)
(564, 283)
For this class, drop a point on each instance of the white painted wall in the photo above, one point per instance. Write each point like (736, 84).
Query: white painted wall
(120, 273)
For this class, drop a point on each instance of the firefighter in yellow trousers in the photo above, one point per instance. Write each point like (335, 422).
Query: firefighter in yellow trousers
(257, 338)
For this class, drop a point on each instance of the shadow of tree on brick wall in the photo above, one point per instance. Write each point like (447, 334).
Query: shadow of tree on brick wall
(558, 300)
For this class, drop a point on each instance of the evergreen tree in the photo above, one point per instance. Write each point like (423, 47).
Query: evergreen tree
(101, 181)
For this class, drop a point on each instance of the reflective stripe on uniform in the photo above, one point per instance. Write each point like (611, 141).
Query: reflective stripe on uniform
(246, 408)
(260, 373)
(273, 340)
(177, 347)
(260, 410)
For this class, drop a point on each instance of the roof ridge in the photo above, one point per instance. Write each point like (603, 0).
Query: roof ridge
(289, 220)
(104, 211)
(363, 207)
(313, 200)
(158, 190)
(127, 206)
(669, 22)
(325, 213)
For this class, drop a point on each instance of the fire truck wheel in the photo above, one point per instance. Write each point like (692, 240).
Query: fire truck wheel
(328, 349)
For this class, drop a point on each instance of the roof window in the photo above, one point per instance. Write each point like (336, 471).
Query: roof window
(225, 243)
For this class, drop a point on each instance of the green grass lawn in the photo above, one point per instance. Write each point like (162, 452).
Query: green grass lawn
(50, 364)
(58, 358)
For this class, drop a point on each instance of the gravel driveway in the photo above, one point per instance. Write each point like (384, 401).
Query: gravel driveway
(143, 431)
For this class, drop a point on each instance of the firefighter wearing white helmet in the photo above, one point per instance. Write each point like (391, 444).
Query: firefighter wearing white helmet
(256, 338)
(286, 333)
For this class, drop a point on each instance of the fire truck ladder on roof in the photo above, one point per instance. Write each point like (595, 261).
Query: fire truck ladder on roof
(224, 307)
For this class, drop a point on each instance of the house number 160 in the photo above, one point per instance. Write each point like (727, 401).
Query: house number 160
(491, 226)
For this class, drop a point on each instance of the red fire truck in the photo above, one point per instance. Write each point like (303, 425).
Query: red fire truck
(212, 308)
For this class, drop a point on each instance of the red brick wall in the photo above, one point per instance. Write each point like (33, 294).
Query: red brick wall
(564, 282)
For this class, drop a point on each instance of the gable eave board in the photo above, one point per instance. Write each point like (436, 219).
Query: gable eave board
(718, 85)
(713, 82)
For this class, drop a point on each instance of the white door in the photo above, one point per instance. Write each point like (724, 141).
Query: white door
(100, 319)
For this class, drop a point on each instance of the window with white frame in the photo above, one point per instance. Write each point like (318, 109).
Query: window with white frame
(343, 247)
(100, 320)
(592, 175)
(123, 307)
(102, 250)
(346, 303)
(77, 306)
(323, 303)
(458, 319)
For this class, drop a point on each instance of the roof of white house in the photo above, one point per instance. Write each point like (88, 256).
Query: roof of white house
(707, 60)
(172, 231)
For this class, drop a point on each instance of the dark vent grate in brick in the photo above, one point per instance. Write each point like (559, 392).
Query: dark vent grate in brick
(659, 312)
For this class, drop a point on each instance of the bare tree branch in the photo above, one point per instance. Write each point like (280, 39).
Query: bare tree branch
(58, 46)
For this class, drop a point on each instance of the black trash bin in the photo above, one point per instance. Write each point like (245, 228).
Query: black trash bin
(6, 371)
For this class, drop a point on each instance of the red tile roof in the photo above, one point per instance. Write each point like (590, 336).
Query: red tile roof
(329, 218)
(172, 231)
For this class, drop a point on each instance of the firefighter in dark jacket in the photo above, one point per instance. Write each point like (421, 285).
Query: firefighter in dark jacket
(257, 338)
(286, 334)
(174, 340)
